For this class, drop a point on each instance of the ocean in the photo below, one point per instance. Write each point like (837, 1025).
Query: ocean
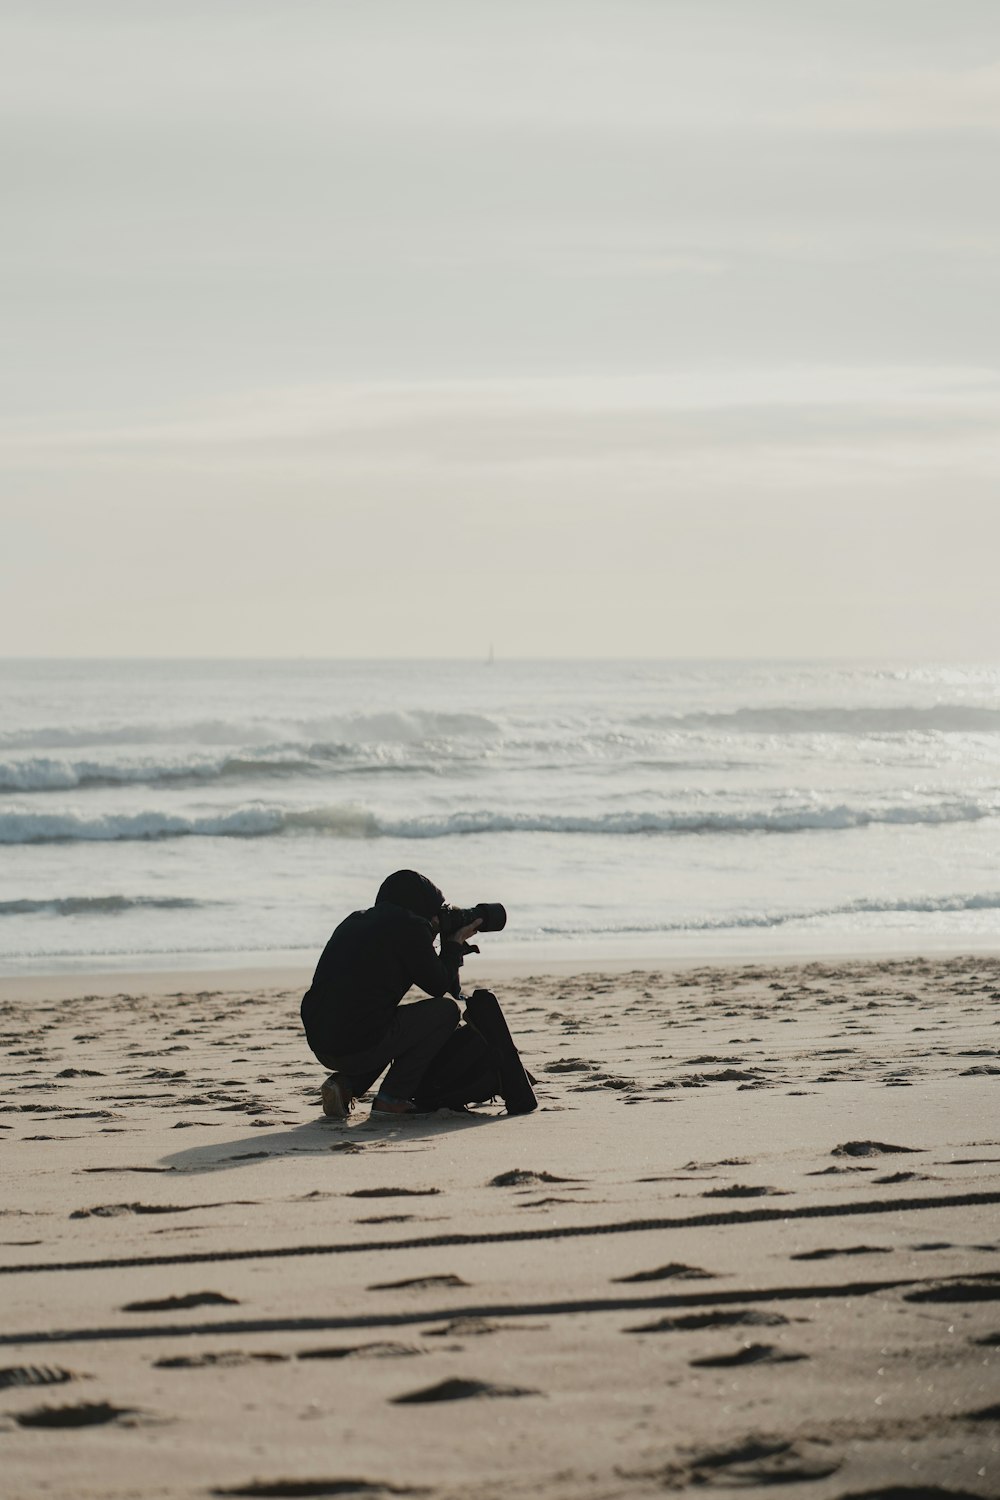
(158, 814)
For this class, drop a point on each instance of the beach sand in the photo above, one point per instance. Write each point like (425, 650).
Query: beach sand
(750, 1238)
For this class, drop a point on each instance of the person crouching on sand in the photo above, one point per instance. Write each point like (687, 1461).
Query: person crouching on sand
(354, 1022)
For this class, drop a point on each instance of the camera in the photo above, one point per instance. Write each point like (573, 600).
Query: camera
(493, 918)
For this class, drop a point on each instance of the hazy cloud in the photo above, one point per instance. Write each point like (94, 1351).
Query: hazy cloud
(596, 290)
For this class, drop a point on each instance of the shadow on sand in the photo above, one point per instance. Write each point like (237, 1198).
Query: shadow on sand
(319, 1136)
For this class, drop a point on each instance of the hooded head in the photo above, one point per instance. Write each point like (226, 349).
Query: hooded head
(415, 892)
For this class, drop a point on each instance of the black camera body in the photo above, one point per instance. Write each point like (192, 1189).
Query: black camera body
(493, 918)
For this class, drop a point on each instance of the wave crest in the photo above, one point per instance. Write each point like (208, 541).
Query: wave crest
(86, 906)
(941, 718)
(50, 774)
(978, 901)
(792, 820)
(393, 726)
(351, 821)
(247, 822)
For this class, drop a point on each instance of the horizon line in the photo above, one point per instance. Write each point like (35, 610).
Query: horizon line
(483, 659)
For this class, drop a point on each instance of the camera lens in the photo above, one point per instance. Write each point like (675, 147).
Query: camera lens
(493, 916)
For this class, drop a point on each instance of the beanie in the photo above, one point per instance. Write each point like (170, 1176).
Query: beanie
(413, 891)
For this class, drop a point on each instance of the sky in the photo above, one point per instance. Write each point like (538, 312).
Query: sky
(662, 328)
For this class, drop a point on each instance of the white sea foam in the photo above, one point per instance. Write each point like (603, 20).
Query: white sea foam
(95, 906)
(775, 800)
(416, 726)
(978, 901)
(29, 774)
(120, 905)
(246, 822)
(942, 718)
(353, 821)
(80, 736)
(46, 774)
(835, 818)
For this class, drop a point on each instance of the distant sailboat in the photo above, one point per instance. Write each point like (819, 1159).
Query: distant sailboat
(490, 658)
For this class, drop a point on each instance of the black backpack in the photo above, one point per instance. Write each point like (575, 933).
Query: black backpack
(478, 1062)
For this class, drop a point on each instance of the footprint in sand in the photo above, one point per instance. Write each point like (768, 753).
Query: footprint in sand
(982, 1289)
(749, 1354)
(708, 1166)
(666, 1273)
(984, 1414)
(847, 1250)
(388, 1219)
(522, 1177)
(605, 1081)
(892, 1177)
(828, 1171)
(85, 1414)
(758, 1461)
(737, 1318)
(739, 1190)
(414, 1283)
(22, 1375)
(464, 1328)
(393, 1192)
(872, 1148)
(228, 1360)
(458, 1389)
(126, 1169)
(545, 1202)
(172, 1304)
(116, 1210)
(907, 1492)
(378, 1350)
(303, 1489)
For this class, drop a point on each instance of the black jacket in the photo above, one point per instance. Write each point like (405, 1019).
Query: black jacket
(366, 968)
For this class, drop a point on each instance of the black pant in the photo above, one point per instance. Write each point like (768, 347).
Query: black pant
(417, 1034)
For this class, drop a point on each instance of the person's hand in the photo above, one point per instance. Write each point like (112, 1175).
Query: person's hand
(464, 933)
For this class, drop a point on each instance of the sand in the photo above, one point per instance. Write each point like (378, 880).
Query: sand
(750, 1238)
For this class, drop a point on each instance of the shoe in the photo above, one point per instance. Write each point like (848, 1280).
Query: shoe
(338, 1101)
(383, 1106)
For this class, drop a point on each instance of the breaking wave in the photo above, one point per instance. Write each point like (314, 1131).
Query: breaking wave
(792, 820)
(88, 906)
(32, 775)
(351, 821)
(941, 718)
(247, 822)
(402, 727)
(45, 774)
(49, 774)
(985, 901)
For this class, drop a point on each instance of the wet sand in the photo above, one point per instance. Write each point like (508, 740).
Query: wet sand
(751, 1237)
